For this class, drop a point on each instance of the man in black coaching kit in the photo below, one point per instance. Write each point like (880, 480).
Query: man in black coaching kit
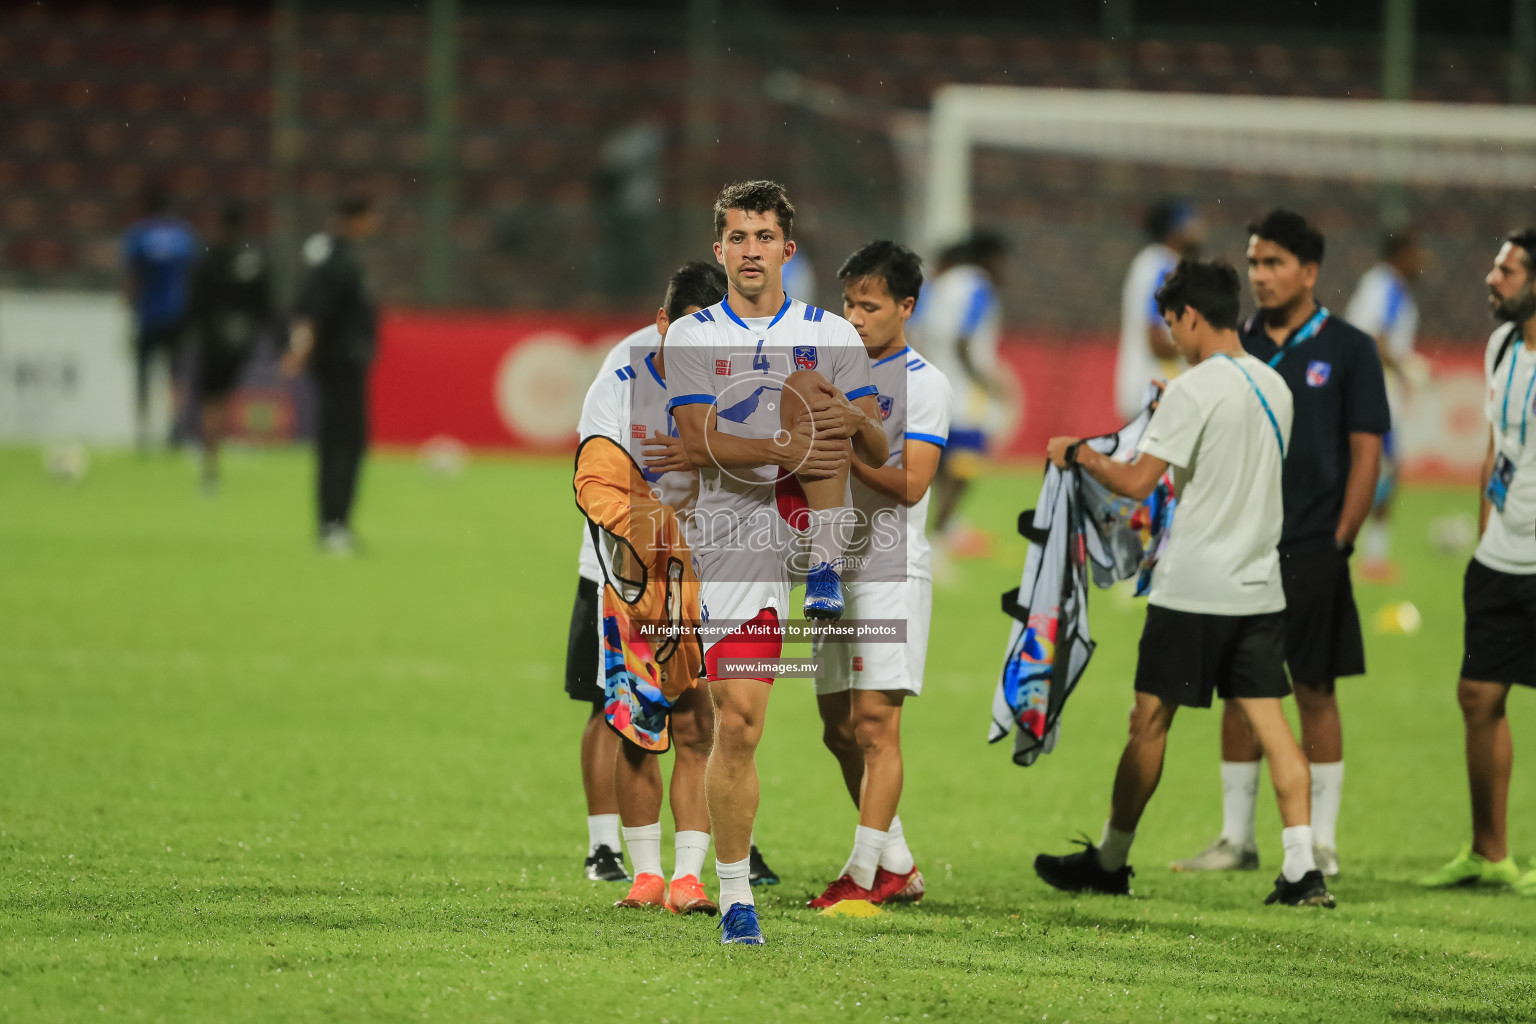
(1335, 377)
(334, 334)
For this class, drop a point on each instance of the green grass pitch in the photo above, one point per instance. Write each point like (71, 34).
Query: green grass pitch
(241, 781)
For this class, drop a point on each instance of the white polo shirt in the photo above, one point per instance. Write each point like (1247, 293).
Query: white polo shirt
(1226, 452)
(1509, 543)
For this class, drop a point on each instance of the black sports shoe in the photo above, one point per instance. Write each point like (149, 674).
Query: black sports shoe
(606, 866)
(758, 871)
(1310, 890)
(1080, 871)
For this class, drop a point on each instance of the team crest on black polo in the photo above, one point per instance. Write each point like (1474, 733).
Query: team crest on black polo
(1317, 373)
(886, 403)
(805, 357)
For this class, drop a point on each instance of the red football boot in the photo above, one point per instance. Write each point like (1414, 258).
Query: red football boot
(890, 887)
(845, 888)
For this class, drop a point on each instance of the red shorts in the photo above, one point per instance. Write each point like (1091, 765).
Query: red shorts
(744, 642)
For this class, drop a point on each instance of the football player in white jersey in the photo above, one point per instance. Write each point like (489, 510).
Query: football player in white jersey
(695, 285)
(957, 324)
(1146, 353)
(863, 684)
(771, 397)
(629, 405)
(1383, 307)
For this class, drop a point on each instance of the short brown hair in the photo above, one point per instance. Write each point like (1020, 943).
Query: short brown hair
(755, 197)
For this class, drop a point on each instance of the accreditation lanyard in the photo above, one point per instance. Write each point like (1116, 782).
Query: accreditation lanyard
(1273, 423)
(1509, 384)
(1307, 333)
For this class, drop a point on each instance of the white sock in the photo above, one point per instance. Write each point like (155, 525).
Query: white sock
(1327, 791)
(1114, 848)
(735, 882)
(1239, 801)
(644, 842)
(867, 844)
(1376, 544)
(690, 848)
(602, 830)
(896, 858)
(1297, 841)
(830, 533)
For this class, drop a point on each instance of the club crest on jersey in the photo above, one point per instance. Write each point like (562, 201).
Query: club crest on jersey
(886, 403)
(1317, 373)
(805, 357)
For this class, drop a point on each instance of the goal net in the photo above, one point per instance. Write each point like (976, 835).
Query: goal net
(1067, 176)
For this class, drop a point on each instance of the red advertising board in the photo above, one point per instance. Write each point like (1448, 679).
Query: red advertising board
(514, 382)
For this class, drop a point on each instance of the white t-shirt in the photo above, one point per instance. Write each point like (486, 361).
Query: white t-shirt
(1509, 543)
(1135, 365)
(914, 406)
(961, 303)
(1383, 305)
(646, 339)
(1212, 428)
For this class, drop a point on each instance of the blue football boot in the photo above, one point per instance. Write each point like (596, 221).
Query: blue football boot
(823, 593)
(739, 926)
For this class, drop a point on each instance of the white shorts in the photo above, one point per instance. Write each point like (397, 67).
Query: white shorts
(731, 601)
(880, 666)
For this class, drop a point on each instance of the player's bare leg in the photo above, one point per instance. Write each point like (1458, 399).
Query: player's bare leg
(862, 728)
(1237, 847)
(1490, 758)
(693, 733)
(1103, 868)
(1300, 882)
(599, 754)
(637, 781)
(832, 521)
(731, 782)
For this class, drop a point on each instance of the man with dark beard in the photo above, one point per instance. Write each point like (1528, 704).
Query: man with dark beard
(1499, 592)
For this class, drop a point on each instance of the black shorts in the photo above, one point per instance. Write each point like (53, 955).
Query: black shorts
(1185, 657)
(581, 654)
(1500, 633)
(1322, 625)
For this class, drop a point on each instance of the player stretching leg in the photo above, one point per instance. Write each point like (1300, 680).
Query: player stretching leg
(628, 404)
(729, 367)
(862, 685)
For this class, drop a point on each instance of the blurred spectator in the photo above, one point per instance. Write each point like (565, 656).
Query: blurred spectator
(956, 326)
(1146, 350)
(230, 306)
(334, 333)
(158, 252)
(1383, 307)
(628, 194)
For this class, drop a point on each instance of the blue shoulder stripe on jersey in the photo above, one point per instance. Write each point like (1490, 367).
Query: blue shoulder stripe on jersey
(981, 301)
(930, 438)
(893, 355)
(650, 364)
(690, 400)
(704, 316)
(1396, 293)
(819, 314)
(625, 373)
(814, 314)
(916, 364)
(863, 392)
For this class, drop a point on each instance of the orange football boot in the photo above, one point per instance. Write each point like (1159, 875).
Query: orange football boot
(686, 895)
(845, 888)
(647, 891)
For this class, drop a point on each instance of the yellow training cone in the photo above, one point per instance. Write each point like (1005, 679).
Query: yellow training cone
(1402, 619)
(851, 908)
